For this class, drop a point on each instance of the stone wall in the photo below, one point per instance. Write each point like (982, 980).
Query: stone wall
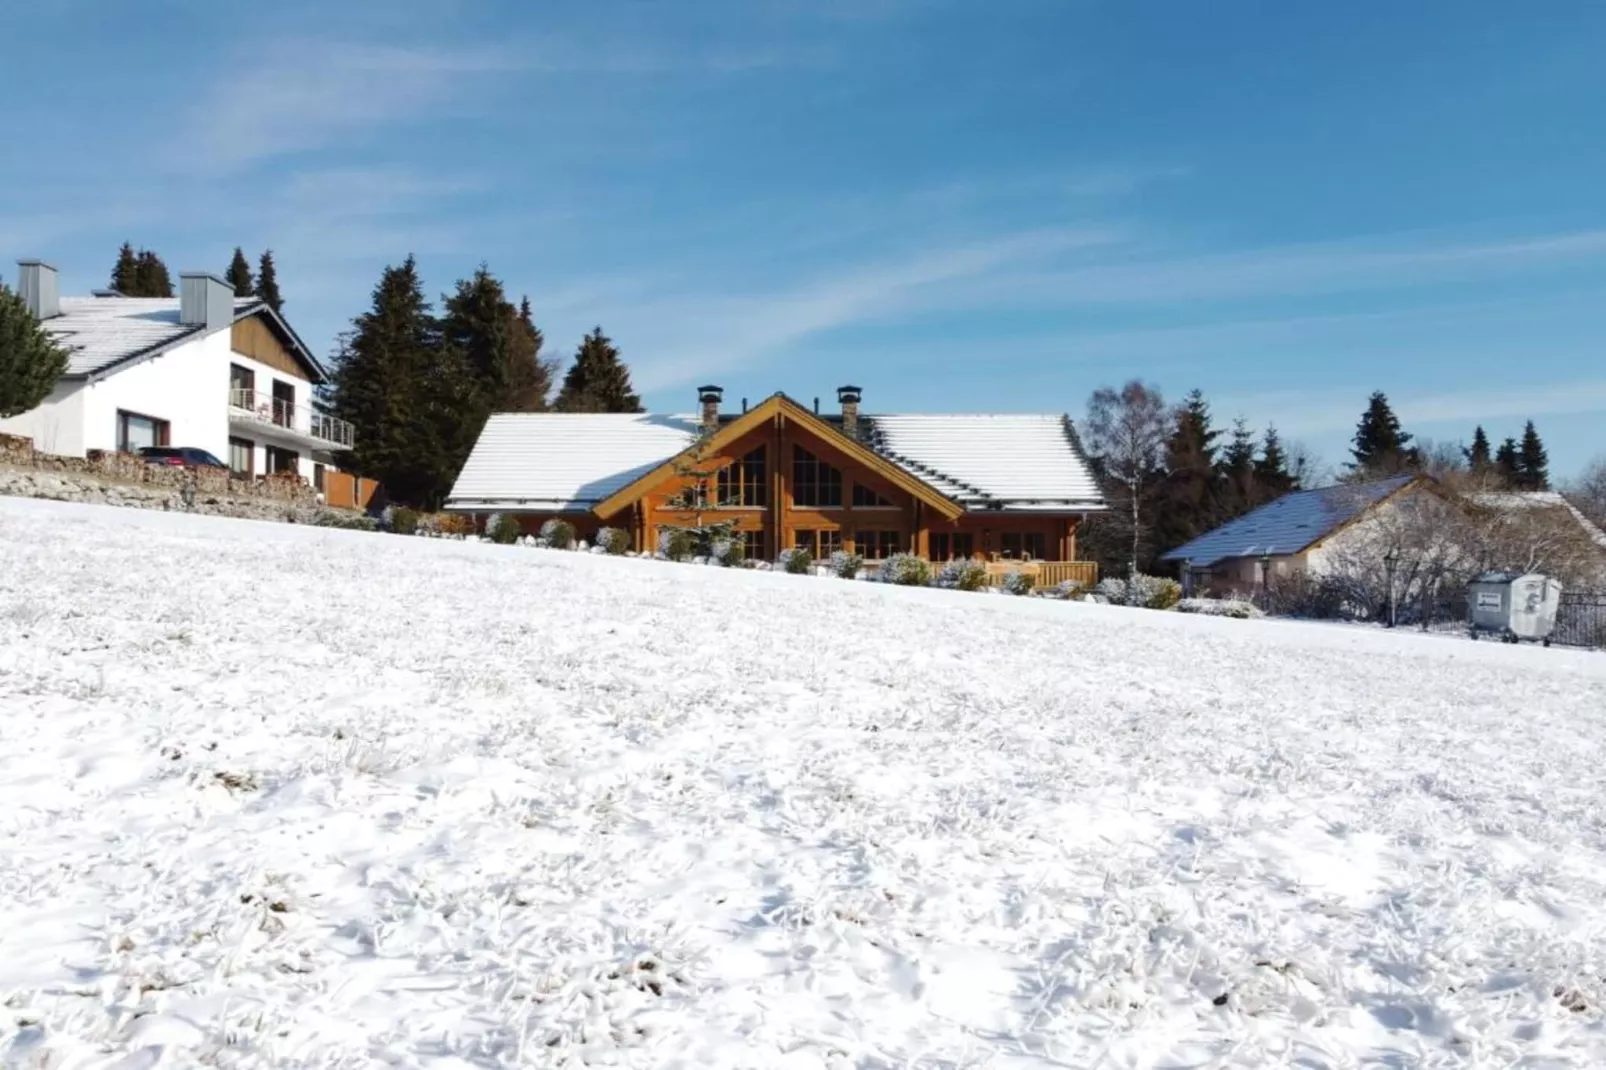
(126, 480)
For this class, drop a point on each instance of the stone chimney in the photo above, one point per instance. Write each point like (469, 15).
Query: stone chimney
(849, 397)
(710, 396)
(37, 286)
(204, 300)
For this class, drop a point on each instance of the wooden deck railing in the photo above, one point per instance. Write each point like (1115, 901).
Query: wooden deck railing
(1045, 573)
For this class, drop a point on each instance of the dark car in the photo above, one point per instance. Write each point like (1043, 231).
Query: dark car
(180, 456)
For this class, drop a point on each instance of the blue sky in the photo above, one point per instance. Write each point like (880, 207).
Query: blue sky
(960, 206)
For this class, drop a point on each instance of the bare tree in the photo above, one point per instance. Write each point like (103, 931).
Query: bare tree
(1126, 433)
(1588, 492)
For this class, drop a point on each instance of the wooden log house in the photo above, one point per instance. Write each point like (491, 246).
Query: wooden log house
(993, 487)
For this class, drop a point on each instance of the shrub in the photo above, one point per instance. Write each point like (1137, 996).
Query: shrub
(456, 524)
(1149, 592)
(1017, 582)
(336, 518)
(799, 562)
(966, 575)
(905, 570)
(727, 551)
(677, 544)
(559, 534)
(1236, 608)
(502, 528)
(615, 541)
(1070, 590)
(845, 565)
(404, 521)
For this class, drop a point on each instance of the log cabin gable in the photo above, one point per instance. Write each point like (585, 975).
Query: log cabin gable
(782, 426)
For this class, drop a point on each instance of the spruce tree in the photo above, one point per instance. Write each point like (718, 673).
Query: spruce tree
(267, 287)
(1237, 473)
(1190, 497)
(530, 378)
(125, 273)
(1272, 478)
(388, 385)
(30, 360)
(597, 381)
(239, 274)
(1533, 463)
(1381, 447)
(1507, 463)
(150, 276)
(1478, 457)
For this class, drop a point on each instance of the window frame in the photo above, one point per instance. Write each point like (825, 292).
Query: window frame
(160, 428)
(823, 480)
(250, 457)
(744, 483)
(877, 500)
(877, 545)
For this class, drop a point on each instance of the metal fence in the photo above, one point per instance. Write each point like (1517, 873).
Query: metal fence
(1581, 619)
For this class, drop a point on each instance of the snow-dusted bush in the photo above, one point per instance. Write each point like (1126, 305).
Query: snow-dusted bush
(845, 565)
(1148, 592)
(502, 528)
(797, 561)
(965, 575)
(1070, 590)
(1017, 582)
(677, 544)
(403, 521)
(905, 570)
(724, 550)
(559, 534)
(336, 518)
(1220, 607)
(614, 541)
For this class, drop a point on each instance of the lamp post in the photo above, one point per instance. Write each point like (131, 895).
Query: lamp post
(1390, 559)
(1265, 579)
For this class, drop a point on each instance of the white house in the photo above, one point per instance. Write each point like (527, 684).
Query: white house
(205, 369)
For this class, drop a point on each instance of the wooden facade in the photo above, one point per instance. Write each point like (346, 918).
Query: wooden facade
(252, 337)
(787, 478)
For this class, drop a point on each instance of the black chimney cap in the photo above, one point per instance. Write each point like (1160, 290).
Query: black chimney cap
(710, 393)
(848, 393)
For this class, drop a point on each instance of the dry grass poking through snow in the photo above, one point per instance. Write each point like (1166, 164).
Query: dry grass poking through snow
(277, 796)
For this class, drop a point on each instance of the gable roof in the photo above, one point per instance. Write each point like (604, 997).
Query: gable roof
(1541, 499)
(557, 461)
(1289, 525)
(770, 407)
(105, 334)
(565, 461)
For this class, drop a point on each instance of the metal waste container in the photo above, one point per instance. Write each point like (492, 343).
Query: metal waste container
(1513, 605)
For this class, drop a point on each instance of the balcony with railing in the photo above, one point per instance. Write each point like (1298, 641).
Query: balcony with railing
(286, 418)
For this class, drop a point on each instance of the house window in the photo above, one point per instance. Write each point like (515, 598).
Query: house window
(282, 460)
(242, 387)
(875, 545)
(135, 432)
(241, 453)
(950, 546)
(1024, 545)
(814, 483)
(866, 498)
(742, 482)
(284, 404)
(821, 543)
(752, 544)
(963, 546)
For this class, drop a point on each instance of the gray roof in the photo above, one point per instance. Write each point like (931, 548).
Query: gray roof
(1288, 525)
(102, 334)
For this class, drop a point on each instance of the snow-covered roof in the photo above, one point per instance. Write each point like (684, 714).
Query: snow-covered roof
(1288, 525)
(558, 461)
(1539, 499)
(102, 332)
(1015, 461)
(573, 461)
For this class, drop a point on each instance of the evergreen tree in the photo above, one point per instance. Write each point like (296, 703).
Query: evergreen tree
(1238, 493)
(1272, 477)
(597, 381)
(1478, 458)
(1381, 447)
(1189, 499)
(1533, 463)
(1507, 462)
(30, 360)
(388, 383)
(150, 276)
(239, 274)
(267, 287)
(530, 378)
(125, 273)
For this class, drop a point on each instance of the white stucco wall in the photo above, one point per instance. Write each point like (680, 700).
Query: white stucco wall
(188, 386)
(57, 425)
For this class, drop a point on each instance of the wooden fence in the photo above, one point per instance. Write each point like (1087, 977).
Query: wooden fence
(1045, 573)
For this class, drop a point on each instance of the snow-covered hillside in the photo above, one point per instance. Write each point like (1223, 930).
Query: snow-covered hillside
(275, 795)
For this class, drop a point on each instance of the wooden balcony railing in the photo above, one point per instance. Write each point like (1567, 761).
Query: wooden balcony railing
(1045, 573)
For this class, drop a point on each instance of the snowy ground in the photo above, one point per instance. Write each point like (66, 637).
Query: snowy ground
(275, 795)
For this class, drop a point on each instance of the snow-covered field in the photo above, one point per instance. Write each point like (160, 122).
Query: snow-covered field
(275, 795)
